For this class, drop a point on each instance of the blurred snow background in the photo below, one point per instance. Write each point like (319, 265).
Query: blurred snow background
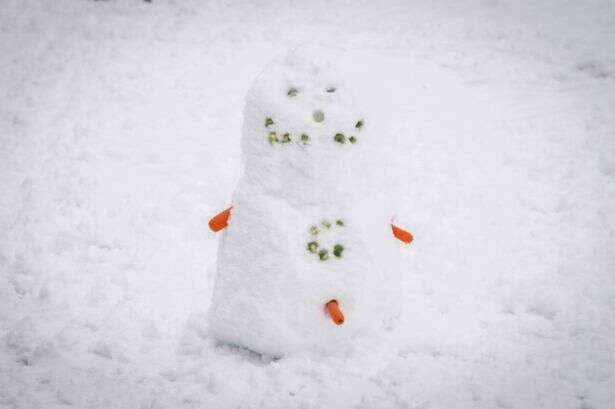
(119, 138)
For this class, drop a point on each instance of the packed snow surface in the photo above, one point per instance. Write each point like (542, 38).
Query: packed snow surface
(490, 134)
(304, 228)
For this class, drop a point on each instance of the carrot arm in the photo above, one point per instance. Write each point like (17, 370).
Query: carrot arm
(402, 234)
(220, 221)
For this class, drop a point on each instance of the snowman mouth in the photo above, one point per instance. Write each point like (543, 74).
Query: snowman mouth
(276, 135)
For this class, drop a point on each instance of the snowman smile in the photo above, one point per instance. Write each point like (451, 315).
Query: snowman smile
(275, 136)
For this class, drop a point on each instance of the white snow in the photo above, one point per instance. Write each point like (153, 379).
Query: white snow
(120, 125)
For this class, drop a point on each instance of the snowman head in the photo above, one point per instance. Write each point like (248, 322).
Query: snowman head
(299, 107)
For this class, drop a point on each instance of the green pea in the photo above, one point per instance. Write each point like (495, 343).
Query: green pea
(273, 137)
(352, 139)
(313, 230)
(339, 138)
(323, 254)
(339, 222)
(305, 138)
(292, 92)
(312, 246)
(337, 250)
(268, 121)
(286, 138)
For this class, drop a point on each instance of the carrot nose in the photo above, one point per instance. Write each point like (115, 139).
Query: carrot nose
(220, 221)
(334, 311)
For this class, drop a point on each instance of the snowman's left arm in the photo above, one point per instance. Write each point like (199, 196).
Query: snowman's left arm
(402, 234)
(220, 221)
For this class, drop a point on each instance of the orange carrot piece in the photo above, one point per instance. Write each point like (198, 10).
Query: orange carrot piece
(334, 311)
(220, 221)
(402, 234)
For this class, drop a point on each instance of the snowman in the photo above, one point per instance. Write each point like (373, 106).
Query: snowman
(297, 267)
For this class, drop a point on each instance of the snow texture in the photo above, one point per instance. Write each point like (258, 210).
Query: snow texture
(303, 230)
(491, 137)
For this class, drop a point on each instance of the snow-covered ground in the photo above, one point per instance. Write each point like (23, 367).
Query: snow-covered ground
(119, 138)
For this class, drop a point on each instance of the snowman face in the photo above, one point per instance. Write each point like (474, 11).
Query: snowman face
(303, 103)
(314, 120)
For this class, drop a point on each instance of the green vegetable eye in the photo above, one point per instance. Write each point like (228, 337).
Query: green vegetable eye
(337, 250)
(331, 89)
(312, 246)
(352, 139)
(292, 92)
(313, 230)
(359, 124)
(286, 138)
(339, 222)
(305, 138)
(326, 224)
(339, 138)
(323, 254)
(268, 121)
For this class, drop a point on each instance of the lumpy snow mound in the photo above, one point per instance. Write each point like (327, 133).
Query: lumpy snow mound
(303, 230)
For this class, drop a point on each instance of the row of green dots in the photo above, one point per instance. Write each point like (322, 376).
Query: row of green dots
(286, 138)
(326, 224)
(341, 138)
(323, 254)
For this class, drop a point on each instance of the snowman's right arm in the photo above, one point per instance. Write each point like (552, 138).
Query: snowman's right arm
(220, 221)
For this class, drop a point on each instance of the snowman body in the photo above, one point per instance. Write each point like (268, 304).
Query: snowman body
(300, 232)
